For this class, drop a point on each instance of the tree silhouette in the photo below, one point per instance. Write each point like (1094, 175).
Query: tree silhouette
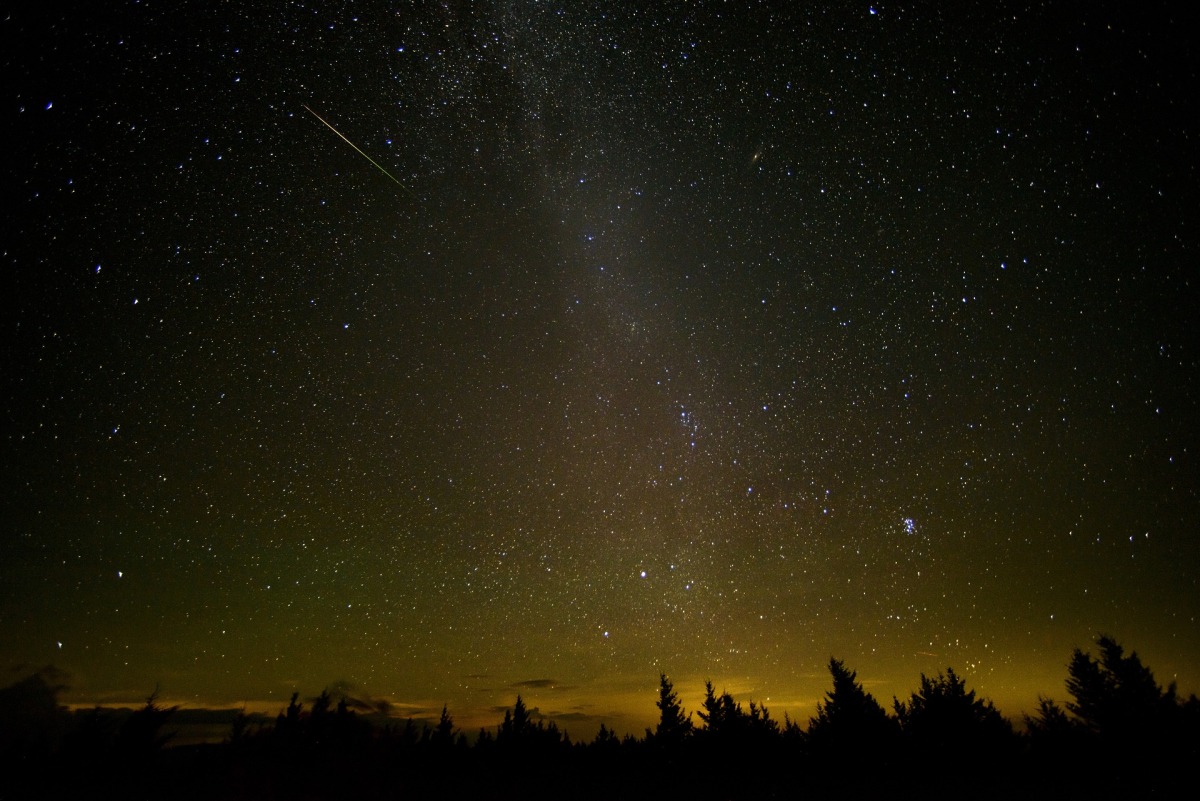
(759, 723)
(849, 720)
(516, 725)
(606, 739)
(1119, 734)
(1050, 721)
(288, 723)
(1116, 695)
(721, 714)
(673, 726)
(1133, 722)
(518, 731)
(1057, 745)
(141, 735)
(238, 731)
(485, 739)
(726, 721)
(31, 718)
(443, 733)
(791, 732)
(943, 715)
(1119, 730)
(320, 707)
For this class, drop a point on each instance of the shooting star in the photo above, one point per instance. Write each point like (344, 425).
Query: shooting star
(364, 155)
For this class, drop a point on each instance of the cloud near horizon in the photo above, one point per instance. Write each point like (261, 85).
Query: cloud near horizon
(542, 684)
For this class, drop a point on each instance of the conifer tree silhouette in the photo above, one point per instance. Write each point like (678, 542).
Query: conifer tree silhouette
(1119, 734)
(721, 714)
(141, 735)
(321, 704)
(1057, 741)
(517, 725)
(288, 723)
(31, 718)
(1051, 720)
(1115, 696)
(239, 729)
(849, 720)
(606, 739)
(673, 725)
(725, 721)
(943, 714)
(443, 733)
(1132, 721)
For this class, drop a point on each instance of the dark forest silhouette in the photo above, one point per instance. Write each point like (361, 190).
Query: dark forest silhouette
(1118, 734)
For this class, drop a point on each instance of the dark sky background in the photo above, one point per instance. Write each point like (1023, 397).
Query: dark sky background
(707, 338)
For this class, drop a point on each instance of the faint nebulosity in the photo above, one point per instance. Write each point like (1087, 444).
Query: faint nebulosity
(708, 338)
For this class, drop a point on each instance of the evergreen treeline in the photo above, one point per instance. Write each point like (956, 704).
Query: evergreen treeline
(1119, 734)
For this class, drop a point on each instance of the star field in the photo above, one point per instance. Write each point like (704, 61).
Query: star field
(701, 338)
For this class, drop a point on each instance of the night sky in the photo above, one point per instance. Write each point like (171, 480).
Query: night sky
(706, 338)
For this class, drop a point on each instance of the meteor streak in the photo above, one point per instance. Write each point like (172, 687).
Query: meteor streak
(364, 155)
